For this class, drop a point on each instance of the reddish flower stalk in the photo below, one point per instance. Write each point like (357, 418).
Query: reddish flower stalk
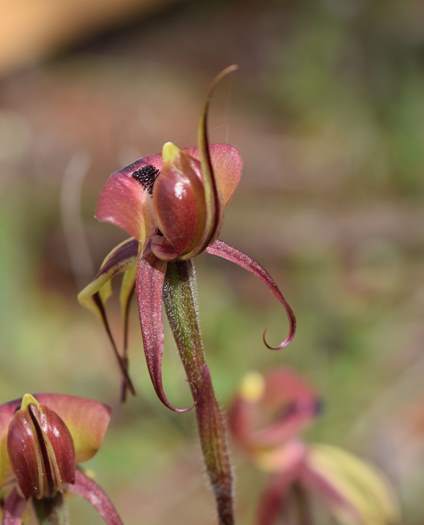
(172, 206)
(42, 438)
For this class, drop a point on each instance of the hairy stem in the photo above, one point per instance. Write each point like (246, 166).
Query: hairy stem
(180, 298)
(51, 511)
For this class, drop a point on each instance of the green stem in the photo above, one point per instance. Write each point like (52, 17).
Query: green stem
(51, 511)
(180, 298)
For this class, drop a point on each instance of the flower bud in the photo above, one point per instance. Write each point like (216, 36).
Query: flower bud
(41, 450)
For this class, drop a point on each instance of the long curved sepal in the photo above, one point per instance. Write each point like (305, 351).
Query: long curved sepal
(182, 312)
(212, 200)
(88, 489)
(149, 285)
(14, 508)
(121, 259)
(225, 251)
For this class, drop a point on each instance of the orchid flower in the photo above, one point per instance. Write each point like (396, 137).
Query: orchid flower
(171, 204)
(43, 438)
(265, 419)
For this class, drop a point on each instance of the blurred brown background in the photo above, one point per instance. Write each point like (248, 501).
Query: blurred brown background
(328, 112)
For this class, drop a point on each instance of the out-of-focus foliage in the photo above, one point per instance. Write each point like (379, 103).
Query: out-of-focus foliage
(327, 112)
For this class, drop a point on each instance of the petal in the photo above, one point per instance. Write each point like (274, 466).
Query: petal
(124, 201)
(115, 262)
(352, 489)
(223, 250)
(14, 508)
(7, 411)
(94, 295)
(86, 419)
(149, 286)
(227, 166)
(88, 489)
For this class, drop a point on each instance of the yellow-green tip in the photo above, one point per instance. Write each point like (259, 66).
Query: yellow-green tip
(27, 400)
(170, 153)
(252, 387)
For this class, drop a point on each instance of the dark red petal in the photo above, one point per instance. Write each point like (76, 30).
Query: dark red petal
(179, 204)
(96, 496)
(14, 508)
(223, 250)
(149, 286)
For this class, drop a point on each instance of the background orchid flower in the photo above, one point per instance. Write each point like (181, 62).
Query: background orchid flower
(43, 438)
(172, 207)
(265, 420)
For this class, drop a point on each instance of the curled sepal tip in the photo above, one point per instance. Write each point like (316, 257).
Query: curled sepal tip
(229, 253)
(149, 287)
(88, 489)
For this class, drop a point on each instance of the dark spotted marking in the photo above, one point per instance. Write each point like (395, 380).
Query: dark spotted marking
(146, 176)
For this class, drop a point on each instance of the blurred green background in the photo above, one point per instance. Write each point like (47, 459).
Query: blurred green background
(328, 112)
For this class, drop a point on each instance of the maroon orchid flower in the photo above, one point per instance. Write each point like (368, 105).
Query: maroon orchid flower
(265, 420)
(42, 440)
(172, 207)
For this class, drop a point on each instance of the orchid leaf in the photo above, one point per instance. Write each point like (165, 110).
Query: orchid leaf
(88, 489)
(225, 251)
(181, 308)
(356, 492)
(149, 285)
(213, 205)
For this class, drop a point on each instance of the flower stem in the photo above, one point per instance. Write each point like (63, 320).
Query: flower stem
(180, 298)
(301, 499)
(51, 511)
